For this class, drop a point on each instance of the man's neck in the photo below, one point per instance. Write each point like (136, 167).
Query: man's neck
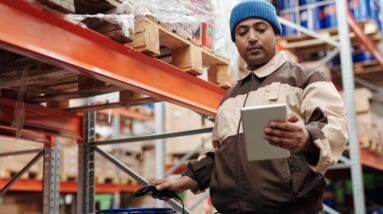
(253, 67)
(269, 67)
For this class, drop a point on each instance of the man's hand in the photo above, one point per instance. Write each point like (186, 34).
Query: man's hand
(291, 134)
(176, 185)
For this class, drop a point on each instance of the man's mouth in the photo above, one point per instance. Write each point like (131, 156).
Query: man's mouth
(253, 49)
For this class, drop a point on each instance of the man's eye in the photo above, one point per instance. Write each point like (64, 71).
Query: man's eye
(242, 32)
(262, 30)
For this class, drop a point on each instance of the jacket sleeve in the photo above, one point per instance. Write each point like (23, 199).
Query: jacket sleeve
(326, 122)
(200, 171)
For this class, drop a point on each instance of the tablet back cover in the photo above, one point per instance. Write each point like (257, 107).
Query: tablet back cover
(254, 120)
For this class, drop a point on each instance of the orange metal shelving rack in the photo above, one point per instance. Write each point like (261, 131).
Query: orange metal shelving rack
(39, 34)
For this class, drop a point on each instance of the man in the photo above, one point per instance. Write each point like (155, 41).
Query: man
(315, 132)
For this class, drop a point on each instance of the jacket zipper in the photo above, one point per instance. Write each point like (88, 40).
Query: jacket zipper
(237, 172)
(237, 150)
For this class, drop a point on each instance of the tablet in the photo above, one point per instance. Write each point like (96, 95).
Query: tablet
(254, 120)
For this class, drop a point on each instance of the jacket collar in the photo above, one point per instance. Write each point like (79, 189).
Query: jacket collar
(265, 70)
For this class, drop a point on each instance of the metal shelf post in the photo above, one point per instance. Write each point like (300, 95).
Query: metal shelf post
(86, 183)
(51, 179)
(159, 112)
(348, 87)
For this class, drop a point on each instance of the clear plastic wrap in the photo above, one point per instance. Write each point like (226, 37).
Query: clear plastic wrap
(126, 21)
(184, 16)
(19, 119)
(222, 39)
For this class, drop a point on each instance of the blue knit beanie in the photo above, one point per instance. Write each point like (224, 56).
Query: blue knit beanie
(254, 9)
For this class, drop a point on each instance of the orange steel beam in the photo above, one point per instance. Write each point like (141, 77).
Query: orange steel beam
(6, 131)
(367, 42)
(70, 187)
(42, 119)
(371, 159)
(32, 185)
(42, 35)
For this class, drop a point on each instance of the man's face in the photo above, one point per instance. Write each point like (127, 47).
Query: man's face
(256, 41)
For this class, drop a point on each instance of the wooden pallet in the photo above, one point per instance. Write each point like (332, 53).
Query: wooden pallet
(158, 40)
(31, 174)
(128, 181)
(373, 145)
(68, 178)
(370, 71)
(304, 45)
(106, 180)
(367, 67)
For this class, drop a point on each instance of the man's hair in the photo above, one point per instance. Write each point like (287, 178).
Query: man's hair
(261, 9)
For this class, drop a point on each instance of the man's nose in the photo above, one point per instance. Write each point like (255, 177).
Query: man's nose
(253, 37)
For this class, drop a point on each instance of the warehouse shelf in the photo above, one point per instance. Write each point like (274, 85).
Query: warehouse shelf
(371, 159)
(308, 48)
(305, 45)
(42, 119)
(130, 68)
(83, 52)
(115, 67)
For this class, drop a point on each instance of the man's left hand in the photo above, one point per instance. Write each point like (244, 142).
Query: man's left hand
(290, 134)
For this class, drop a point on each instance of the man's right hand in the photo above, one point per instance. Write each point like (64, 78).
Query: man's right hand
(176, 185)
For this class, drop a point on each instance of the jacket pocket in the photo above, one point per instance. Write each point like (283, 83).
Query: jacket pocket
(313, 184)
(276, 93)
(305, 182)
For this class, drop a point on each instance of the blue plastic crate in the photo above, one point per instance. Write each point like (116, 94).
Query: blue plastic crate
(292, 18)
(361, 9)
(329, 16)
(312, 18)
(138, 211)
(378, 211)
